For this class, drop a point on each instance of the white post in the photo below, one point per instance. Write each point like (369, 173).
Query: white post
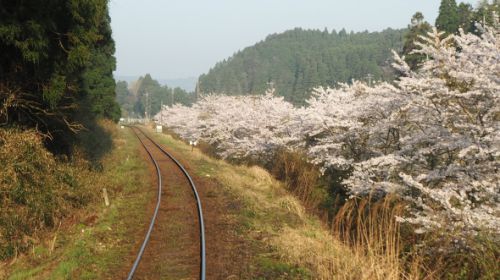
(161, 113)
(106, 198)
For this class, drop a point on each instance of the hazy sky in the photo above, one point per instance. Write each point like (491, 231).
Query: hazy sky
(184, 38)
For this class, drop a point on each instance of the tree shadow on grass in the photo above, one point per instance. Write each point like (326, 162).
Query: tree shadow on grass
(95, 142)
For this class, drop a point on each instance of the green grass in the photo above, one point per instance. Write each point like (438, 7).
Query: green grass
(27, 274)
(270, 268)
(97, 251)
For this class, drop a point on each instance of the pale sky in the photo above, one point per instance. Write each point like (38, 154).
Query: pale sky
(185, 38)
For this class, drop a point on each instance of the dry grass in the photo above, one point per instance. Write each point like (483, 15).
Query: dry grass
(301, 178)
(364, 245)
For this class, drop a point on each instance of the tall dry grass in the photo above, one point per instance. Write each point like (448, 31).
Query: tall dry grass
(301, 178)
(35, 191)
(364, 230)
(371, 225)
(364, 243)
(370, 229)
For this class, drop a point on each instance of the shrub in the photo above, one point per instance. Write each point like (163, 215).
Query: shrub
(36, 191)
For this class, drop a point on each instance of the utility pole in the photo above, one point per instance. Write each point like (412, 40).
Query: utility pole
(484, 15)
(197, 91)
(147, 106)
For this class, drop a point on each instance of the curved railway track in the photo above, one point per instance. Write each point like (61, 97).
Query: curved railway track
(142, 136)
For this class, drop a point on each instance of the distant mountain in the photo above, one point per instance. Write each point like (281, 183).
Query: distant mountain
(187, 84)
(297, 60)
(128, 79)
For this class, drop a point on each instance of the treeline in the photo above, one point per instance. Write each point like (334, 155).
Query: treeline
(452, 16)
(146, 95)
(451, 19)
(56, 65)
(297, 60)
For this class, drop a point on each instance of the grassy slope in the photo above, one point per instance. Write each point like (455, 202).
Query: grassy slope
(95, 244)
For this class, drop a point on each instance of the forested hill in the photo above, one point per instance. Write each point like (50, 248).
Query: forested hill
(298, 59)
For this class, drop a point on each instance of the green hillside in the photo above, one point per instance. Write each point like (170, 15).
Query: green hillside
(298, 60)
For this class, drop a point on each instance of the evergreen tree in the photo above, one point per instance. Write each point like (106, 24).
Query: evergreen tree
(465, 17)
(418, 27)
(124, 98)
(447, 19)
(98, 81)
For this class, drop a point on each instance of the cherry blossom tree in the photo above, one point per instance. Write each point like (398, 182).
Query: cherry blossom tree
(446, 161)
(432, 137)
(237, 126)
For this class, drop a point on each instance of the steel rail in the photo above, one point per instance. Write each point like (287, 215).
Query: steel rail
(198, 205)
(153, 219)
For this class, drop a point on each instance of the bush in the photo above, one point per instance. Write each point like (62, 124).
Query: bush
(36, 191)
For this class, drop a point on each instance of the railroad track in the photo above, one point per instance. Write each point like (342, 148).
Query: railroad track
(143, 138)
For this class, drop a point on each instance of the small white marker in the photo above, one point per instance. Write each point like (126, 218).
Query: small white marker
(192, 144)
